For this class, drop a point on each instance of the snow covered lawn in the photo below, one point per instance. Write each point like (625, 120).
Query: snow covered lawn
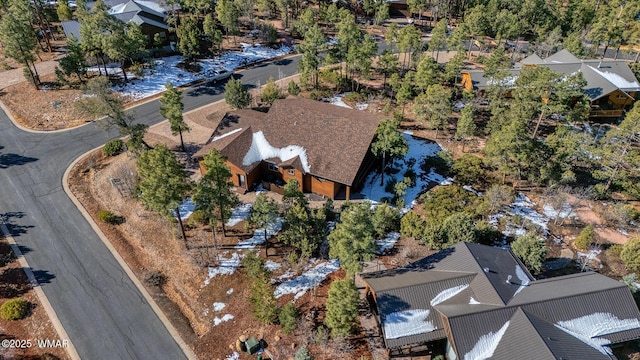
(239, 213)
(308, 280)
(387, 243)
(166, 70)
(418, 150)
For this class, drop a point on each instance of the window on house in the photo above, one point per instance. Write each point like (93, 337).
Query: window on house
(272, 167)
(291, 172)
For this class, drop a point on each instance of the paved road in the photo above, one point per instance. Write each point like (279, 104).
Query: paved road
(102, 311)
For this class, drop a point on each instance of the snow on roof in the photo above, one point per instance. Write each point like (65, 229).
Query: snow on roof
(216, 138)
(239, 213)
(261, 150)
(524, 279)
(307, 280)
(217, 321)
(473, 301)
(486, 345)
(447, 294)
(616, 79)
(587, 328)
(406, 323)
(506, 81)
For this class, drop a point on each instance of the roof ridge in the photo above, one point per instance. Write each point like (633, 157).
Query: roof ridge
(526, 315)
(431, 282)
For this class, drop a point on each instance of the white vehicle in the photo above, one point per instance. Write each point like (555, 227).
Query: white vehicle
(213, 76)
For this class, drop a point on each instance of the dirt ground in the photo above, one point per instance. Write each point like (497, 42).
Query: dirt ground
(36, 326)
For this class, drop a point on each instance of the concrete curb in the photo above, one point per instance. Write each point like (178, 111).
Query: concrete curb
(53, 317)
(156, 309)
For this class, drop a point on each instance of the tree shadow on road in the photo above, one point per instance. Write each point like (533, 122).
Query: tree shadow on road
(15, 230)
(10, 159)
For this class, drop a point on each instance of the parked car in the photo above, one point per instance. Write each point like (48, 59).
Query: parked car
(213, 76)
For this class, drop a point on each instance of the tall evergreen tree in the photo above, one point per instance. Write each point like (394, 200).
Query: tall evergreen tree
(214, 193)
(171, 110)
(74, 62)
(124, 42)
(189, 37)
(466, 126)
(342, 307)
(211, 31)
(389, 142)
(264, 212)
(434, 106)
(311, 48)
(353, 240)
(236, 95)
(304, 229)
(438, 38)
(18, 38)
(163, 182)
(228, 16)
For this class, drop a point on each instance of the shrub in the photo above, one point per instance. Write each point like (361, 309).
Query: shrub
(108, 217)
(615, 250)
(531, 250)
(155, 278)
(412, 225)
(468, 169)
(198, 217)
(288, 318)
(354, 97)
(293, 88)
(14, 309)
(302, 354)
(584, 240)
(113, 147)
(630, 254)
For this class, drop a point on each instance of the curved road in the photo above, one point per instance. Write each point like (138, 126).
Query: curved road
(104, 314)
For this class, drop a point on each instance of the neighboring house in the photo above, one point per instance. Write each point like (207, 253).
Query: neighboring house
(611, 85)
(482, 303)
(325, 147)
(147, 14)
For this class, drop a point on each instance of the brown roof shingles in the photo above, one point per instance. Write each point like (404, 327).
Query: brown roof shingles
(336, 139)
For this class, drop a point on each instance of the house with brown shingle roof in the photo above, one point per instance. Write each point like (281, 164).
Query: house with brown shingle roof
(480, 302)
(326, 148)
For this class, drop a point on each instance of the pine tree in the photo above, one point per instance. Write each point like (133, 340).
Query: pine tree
(171, 110)
(353, 241)
(271, 92)
(630, 254)
(103, 102)
(236, 95)
(438, 38)
(63, 10)
(74, 62)
(387, 65)
(288, 317)
(385, 219)
(302, 354)
(94, 26)
(427, 73)
(466, 126)
(303, 229)
(389, 142)
(342, 307)
(585, 238)
(163, 182)
(531, 250)
(18, 38)
(211, 31)
(434, 106)
(291, 193)
(214, 193)
(311, 48)
(263, 213)
(124, 42)
(189, 37)
(262, 299)
(228, 15)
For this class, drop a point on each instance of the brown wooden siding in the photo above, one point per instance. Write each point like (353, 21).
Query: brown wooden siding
(296, 175)
(619, 99)
(323, 186)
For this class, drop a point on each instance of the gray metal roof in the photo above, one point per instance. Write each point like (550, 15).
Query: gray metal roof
(562, 56)
(603, 76)
(72, 28)
(536, 311)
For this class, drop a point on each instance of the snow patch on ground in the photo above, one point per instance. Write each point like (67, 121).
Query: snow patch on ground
(218, 306)
(486, 345)
(166, 70)
(230, 291)
(446, 294)
(234, 356)
(337, 101)
(406, 323)
(566, 212)
(227, 266)
(587, 328)
(522, 206)
(472, 190)
(272, 265)
(308, 280)
(387, 243)
(239, 213)
(258, 236)
(418, 150)
(186, 208)
(217, 321)
(261, 150)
